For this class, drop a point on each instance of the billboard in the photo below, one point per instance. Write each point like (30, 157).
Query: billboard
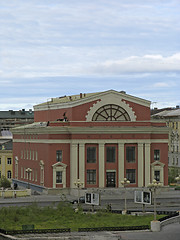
(92, 198)
(143, 197)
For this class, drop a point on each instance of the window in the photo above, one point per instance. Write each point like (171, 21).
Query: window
(0, 160)
(131, 175)
(91, 154)
(0, 174)
(59, 155)
(91, 176)
(157, 175)
(9, 174)
(111, 112)
(156, 155)
(130, 154)
(110, 154)
(177, 161)
(59, 177)
(9, 161)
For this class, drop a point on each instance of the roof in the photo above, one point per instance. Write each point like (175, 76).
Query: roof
(85, 97)
(168, 113)
(8, 145)
(71, 98)
(21, 114)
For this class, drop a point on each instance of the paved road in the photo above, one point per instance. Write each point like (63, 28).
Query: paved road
(169, 232)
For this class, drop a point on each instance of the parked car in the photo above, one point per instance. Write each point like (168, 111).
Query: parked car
(81, 200)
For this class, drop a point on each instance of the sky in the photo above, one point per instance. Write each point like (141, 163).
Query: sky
(52, 48)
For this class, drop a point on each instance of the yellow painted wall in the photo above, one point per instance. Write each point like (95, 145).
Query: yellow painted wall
(4, 166)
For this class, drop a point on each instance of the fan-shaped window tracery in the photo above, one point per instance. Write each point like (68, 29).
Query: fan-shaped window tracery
(111, 112)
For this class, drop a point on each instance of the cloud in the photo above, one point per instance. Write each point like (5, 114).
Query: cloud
(138, 64)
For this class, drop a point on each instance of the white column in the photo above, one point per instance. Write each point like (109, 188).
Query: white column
(82, 162)
(140, 165)
(73, 164)
(147, 164)
(101, 165)
(120, 163)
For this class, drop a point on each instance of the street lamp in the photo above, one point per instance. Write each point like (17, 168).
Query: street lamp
(125, 182)
(28, 170)
(178, 179)
(78, 184)
(153, 187)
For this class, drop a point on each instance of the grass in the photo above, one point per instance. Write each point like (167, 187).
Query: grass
(63, 216)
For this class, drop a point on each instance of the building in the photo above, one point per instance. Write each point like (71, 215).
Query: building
(11, 118)
(6, 159)
(172, 118)
(99, 138)
(8, 120)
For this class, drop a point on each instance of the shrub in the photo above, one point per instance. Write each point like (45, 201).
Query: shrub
(4, 182)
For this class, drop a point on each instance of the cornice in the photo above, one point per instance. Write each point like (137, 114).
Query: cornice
(94, 130)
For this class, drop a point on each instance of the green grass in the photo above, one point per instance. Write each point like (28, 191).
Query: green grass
(63, 216)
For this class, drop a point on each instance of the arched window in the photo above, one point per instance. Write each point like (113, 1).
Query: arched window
(111, 112)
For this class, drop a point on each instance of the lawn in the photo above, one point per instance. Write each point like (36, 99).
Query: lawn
(63, 216)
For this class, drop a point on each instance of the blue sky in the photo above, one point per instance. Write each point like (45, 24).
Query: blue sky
(50, 48)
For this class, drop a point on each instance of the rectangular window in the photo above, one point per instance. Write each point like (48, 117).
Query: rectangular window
(9, 174)
(110, 154)
(91, 154)
(156, 155)
(130, 154)
(9, 161)
(91, 176)
(157, 175)
(131, 175)
(0, 160)
(59, 156)
(59, 177)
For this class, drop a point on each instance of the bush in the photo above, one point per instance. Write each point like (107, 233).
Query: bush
(4, 182)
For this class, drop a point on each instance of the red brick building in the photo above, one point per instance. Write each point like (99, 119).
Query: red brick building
(99, 138)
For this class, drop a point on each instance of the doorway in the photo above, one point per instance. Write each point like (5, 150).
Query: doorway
(110, 179)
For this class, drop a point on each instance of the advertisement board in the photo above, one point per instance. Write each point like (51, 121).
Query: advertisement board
(92, 198)
(143, 197)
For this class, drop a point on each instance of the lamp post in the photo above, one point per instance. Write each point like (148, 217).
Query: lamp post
(153, 187)
(78, 184)
(28, 170)
(178, 179)
(125, 182)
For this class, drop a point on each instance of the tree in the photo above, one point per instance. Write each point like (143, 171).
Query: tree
(4, 182)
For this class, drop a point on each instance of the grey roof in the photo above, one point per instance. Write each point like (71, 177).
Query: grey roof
(168, 113)
(21, 114)
(8, 145)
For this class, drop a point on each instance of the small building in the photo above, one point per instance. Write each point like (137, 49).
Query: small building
(100, 138)
(6, 158)
(171, 117)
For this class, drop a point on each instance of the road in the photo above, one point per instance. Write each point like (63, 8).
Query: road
(167, 201)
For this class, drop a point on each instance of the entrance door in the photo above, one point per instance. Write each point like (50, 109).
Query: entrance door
(110, 179)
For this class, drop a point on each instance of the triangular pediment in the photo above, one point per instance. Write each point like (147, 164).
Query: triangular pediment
(59, 164)
(157, 163)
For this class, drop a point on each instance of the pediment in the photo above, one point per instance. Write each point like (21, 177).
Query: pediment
(59, 164)
(157, 163)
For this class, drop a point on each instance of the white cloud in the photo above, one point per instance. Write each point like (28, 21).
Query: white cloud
(138, 64)
(161, 84)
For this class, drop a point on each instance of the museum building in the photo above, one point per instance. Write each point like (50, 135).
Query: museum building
(99, 138)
